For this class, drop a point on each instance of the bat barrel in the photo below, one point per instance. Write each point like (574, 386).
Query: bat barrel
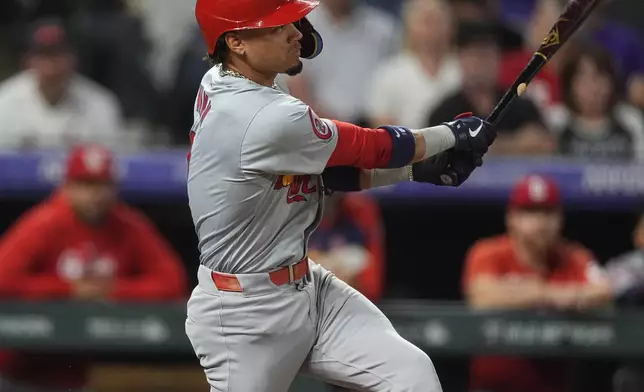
(576, 12)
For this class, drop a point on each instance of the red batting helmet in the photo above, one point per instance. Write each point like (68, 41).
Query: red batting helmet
(216, 17)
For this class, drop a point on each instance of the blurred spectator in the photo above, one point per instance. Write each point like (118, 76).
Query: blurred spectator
(488, 11)
(181, 97)
(516, 12)
(81, 244)
(626, 273)
(11, 14)
(168, 24)
(349, 242)
(595, 122)
(521, 130)
(409, 85)
(530, 267)
(390, 6)
(544, 90)
(625, 46)
(357, 37)
(114, 51)
(50, 104)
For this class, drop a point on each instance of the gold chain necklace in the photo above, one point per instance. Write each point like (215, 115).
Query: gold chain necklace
(229, 72)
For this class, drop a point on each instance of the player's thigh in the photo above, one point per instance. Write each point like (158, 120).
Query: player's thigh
(358, 347)
(250, 344)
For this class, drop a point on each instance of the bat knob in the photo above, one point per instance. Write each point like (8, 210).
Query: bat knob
(449, 178)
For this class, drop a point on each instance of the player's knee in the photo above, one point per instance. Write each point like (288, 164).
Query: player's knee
(419, 374)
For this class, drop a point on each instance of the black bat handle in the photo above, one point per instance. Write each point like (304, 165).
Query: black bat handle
(534, 66)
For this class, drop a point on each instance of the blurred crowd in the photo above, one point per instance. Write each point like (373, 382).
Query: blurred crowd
(125, 72)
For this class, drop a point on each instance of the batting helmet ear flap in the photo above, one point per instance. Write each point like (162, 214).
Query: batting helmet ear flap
(311, 40)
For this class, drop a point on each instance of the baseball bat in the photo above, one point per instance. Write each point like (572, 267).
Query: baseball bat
(573, 16)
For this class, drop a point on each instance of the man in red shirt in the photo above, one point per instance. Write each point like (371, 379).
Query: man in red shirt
(531, 266)
(81, 244)
(349, 242)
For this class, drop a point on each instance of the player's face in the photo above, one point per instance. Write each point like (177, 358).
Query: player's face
(91, 200)
(273, 50)
(538, 228)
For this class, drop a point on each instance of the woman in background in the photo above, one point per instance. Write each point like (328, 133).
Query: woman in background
(595, 122)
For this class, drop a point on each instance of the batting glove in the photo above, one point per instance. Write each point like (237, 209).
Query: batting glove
(449, 168)
(472, 134)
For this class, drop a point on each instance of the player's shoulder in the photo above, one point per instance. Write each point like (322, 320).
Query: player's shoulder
(495, 246)
(241, 98)
(286, 104)
(280, 113)
(574, 253)
(49, 214)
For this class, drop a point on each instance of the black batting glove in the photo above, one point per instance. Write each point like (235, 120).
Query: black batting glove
(472, 134)
(449, 168)
(461, 166)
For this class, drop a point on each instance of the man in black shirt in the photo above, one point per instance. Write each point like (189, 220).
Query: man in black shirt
(522, 130)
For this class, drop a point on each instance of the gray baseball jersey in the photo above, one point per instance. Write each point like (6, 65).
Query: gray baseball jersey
(254, 183)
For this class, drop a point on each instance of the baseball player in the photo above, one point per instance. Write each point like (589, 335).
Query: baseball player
(260, 164)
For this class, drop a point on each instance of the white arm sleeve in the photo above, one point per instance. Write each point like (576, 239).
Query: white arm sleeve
(287, 137)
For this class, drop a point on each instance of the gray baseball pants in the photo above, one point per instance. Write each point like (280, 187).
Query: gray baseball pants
(259, 339)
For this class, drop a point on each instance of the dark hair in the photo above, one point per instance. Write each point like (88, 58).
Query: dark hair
(604, 63)
(477, 32)
(481, 3)
(218, 56)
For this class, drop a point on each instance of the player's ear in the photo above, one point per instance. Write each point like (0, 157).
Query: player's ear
(235, 44)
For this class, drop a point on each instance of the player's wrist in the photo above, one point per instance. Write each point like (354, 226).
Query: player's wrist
(385, 177)
(436, 140)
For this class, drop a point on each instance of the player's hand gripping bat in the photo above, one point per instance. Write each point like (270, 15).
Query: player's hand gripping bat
(573, 16)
